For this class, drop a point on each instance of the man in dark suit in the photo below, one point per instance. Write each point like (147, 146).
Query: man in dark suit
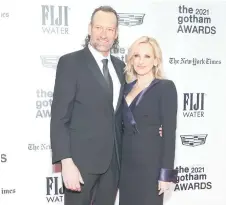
(86, 117)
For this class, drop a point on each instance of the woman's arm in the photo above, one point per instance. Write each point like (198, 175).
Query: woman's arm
(169, 124)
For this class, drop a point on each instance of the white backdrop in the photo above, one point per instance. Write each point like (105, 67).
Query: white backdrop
(32, 37)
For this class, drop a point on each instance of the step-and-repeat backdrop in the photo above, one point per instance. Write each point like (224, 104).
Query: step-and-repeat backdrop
(34, 34)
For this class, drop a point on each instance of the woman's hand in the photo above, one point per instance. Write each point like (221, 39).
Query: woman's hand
(163, 187)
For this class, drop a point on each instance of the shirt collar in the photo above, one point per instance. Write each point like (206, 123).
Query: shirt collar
(97, 55)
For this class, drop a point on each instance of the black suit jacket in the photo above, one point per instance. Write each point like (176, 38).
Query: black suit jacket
(84, 125)
(154, 107)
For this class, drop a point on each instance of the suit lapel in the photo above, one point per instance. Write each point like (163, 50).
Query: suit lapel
(121, 78)
(136, 101)
(118, 70)
(94, 68)
(143, 92)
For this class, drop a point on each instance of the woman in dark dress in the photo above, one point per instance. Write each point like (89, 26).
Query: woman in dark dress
(147, 168)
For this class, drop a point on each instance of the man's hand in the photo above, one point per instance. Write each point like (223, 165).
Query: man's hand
(163, 187)
(160, 131)
(71, 175)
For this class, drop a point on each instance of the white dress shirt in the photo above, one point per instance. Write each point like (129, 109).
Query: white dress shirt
(116, 83)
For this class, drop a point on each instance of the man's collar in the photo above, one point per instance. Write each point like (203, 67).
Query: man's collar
(97, 55)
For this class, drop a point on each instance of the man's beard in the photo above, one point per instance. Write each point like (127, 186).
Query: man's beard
(102, 48)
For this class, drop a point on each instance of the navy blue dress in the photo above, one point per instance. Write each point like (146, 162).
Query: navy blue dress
(145, 154)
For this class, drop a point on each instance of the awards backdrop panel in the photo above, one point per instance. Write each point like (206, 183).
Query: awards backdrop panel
(34, 34)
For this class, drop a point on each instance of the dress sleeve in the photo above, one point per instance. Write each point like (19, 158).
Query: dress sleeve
(169, 124)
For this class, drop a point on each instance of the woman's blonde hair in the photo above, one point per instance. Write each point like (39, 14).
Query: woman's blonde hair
(157, 70)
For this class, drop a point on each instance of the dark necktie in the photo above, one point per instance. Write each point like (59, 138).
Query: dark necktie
(107, 77)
